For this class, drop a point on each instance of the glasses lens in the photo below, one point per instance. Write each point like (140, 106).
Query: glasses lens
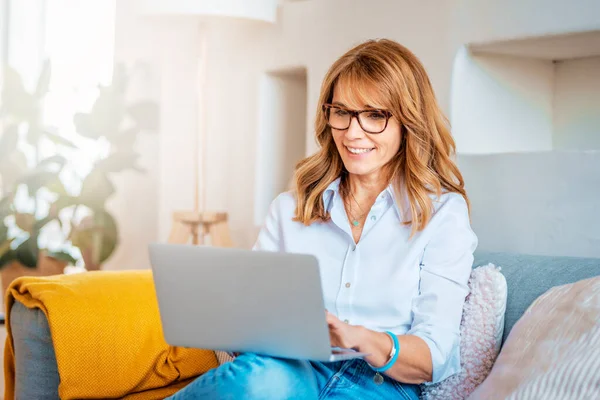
(339, 118)
(373, 121)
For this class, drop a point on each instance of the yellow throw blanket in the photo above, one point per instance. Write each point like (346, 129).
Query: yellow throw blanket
(107, 336)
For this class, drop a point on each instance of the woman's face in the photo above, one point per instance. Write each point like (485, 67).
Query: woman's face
(364, 153)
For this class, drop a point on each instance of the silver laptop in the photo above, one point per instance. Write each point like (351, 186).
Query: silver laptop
(243, 301)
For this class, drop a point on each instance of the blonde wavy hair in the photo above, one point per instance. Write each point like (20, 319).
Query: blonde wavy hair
(384, 74)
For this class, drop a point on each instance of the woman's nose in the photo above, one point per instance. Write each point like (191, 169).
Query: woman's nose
(354, 130)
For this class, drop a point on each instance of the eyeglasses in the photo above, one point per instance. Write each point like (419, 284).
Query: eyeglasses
(371, 121)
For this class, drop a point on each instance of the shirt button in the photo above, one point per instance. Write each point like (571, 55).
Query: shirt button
(346, 321)
(347, 284)
(373, 218)
(353, 248)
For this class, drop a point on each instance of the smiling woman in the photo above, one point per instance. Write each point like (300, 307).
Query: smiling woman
(383, 208)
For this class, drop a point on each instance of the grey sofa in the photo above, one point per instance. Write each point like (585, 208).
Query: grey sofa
(527, 276)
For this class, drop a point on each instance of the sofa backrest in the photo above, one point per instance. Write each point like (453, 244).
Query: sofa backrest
(535, 202)
(529, 276)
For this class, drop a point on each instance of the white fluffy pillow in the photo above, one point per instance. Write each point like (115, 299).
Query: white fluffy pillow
(481, 331)
(553, 351)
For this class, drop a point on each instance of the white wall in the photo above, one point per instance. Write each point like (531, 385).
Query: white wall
(135, 202)
(240, 52)
(165, 52)
(501, 103)
(479, 21)
(577, 104)
(281, 136)
(537, 203)
(3, 31)
(26, 35)
(310, 34)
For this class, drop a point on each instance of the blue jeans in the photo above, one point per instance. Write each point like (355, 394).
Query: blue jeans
(251, 376)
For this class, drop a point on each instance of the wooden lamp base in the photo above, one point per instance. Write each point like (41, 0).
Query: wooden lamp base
(199, 225)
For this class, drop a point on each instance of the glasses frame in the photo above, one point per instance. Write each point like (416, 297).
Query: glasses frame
(355, 114)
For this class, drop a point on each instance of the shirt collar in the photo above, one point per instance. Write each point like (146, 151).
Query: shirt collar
(387, 195)
(329, 194)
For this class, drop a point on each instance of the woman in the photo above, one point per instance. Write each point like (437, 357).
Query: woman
(383, 207)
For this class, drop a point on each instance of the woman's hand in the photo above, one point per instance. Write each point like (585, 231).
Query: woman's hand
(378, 345)
(345, 335)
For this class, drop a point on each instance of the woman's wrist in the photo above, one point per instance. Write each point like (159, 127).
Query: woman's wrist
(379, 346)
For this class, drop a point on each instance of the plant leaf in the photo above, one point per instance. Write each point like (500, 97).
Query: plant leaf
(25, 221)
(9, 140)
(42, 175)
(5, 246)
(96, 189)
(85, 127)
(145, 114)
(55, 159)
(62, 256)
(8, 257)
(59, 140)
(3, 231)
(27, 252)
(56, 186)
(119, 161)
(124, 140)
(5, 209)
(61, 203)
(39, 224)
(36, 180)
(120, 79)
(110, 237)
(12, 168)
(17, 102)
(96, 237)
(34, 133)
(43, 83)
(82, 236)
(105, 116)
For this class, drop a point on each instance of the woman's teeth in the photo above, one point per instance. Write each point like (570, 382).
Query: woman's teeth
(357, 151)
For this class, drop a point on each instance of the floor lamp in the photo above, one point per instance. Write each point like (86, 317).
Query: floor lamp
(199, 223)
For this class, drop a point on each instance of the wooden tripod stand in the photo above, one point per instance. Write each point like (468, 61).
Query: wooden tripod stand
(199, 225)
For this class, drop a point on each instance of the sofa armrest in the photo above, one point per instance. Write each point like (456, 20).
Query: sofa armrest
(36, 372)
(104, 332)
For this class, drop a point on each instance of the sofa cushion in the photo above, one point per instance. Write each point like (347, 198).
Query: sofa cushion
(480, 335)
(107, 336)
(36, 370)
(529, 276)
(553, 351)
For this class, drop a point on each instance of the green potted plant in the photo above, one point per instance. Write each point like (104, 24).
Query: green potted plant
(35, 207)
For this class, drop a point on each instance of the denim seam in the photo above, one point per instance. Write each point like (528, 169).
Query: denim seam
(335, 379)
(400, 387)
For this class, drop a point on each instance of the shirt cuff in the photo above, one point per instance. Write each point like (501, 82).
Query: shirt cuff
(445, 363)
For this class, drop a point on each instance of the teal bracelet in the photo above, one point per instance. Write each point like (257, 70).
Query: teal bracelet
(395, 352)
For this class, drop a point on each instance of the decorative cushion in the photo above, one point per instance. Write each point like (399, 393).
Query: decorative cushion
(530, 276)
(481, 335)
(553, 351)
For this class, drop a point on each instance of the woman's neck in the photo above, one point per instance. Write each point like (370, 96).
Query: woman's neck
(365, 188)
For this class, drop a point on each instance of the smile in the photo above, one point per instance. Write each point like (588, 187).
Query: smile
(356, 150)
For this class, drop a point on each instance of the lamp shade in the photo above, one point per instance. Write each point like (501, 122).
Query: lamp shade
(262, 10)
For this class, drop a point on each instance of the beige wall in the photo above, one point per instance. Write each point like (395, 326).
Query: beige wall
(240, 52)
(501, 103)
(309, 34)
(577, 104)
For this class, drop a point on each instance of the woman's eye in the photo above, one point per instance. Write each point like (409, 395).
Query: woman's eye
(341, 113)
(376, 115)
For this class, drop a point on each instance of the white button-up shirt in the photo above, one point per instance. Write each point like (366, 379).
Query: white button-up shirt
(387, 282)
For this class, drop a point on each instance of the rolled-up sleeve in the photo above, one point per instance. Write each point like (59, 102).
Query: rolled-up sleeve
(444, 274)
